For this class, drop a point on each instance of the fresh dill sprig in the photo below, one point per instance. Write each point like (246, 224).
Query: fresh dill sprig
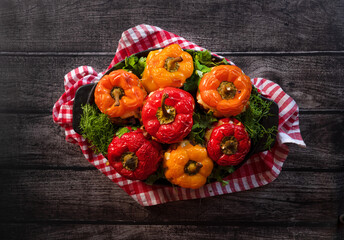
(257, 109)
(97, 128)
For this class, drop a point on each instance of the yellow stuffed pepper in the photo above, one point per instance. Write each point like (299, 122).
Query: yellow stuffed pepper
(187, 166)
(169, 67)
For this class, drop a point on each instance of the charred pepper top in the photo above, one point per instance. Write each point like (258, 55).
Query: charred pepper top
(169, 67)
(134, 156)
(119, 94)
(228, 142)
(167, 114)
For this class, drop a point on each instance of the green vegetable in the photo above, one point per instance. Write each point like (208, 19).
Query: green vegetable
(219, 173)
(97, 128)
(124, 130)
(205, 58)
(191, 84)
(133, 64)
(202, 122)
(159, 174)
(257, 109)
(203, 62)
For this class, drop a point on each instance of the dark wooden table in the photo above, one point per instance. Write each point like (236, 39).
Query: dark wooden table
(49, 191)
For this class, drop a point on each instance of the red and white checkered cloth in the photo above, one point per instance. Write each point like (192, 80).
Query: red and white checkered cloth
(259, 170)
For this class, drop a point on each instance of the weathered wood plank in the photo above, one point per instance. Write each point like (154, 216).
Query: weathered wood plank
(49, 191)
(218, 25)
(313, 81)
(67, 195)
(33, 134)
(161, 232)
(324, 136)
(35, 83)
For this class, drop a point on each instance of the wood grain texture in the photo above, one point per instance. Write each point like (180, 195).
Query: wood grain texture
(49, 191)
(323, 134)
(33, 84)
(164, 232)
(74, 26)
(77, 196)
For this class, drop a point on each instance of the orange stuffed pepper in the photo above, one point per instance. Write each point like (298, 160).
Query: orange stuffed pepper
(169, 67)
(225, 90)
(119, 94)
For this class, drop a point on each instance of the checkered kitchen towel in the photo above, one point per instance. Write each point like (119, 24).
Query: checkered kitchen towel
(259, 170)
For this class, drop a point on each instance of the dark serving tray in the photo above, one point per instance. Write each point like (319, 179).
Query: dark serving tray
(85, 94)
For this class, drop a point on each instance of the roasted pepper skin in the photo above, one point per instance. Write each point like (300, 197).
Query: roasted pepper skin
(187, 166)
(130, 94)
(172, 132)
(158, 74)
(231, 132)
(225, 90)
(146, 155)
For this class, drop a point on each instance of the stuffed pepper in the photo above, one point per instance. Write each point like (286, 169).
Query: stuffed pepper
(167, 114)
(119, 94)
(169, 67)
(134, 156)
(187, 166)
(228, 142)
(225, 90)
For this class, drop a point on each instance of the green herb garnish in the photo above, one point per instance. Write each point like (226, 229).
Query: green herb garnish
(202, 122)
(133, 64)
(159, 174)
(205, 58)
(203, 62)
(219, 173)
(255, 112)
(97, 128)
(124, 130)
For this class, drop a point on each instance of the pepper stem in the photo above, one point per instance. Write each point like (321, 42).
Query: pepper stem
(192, 167)
(171, 64)
(129, 161)
(229, 145)
(117, 93)
(165, 113)
(227, 90)
(163, 106)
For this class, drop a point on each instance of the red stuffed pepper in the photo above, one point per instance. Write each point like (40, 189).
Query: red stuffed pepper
(167, 114)
(228, 143)
(134, 156)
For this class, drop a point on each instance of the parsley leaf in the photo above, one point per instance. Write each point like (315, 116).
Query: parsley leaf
(203, 62)
(219, 173)
(202, 122)
(191, 84)
(134, 64)
(159, 174)
(124, 130)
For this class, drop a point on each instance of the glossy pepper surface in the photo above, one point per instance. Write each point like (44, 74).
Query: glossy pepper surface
(119, 94)
(169, 67)
(187, 166)
(224, 90)
(167, 114)
(228, 143)
(134, 156)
